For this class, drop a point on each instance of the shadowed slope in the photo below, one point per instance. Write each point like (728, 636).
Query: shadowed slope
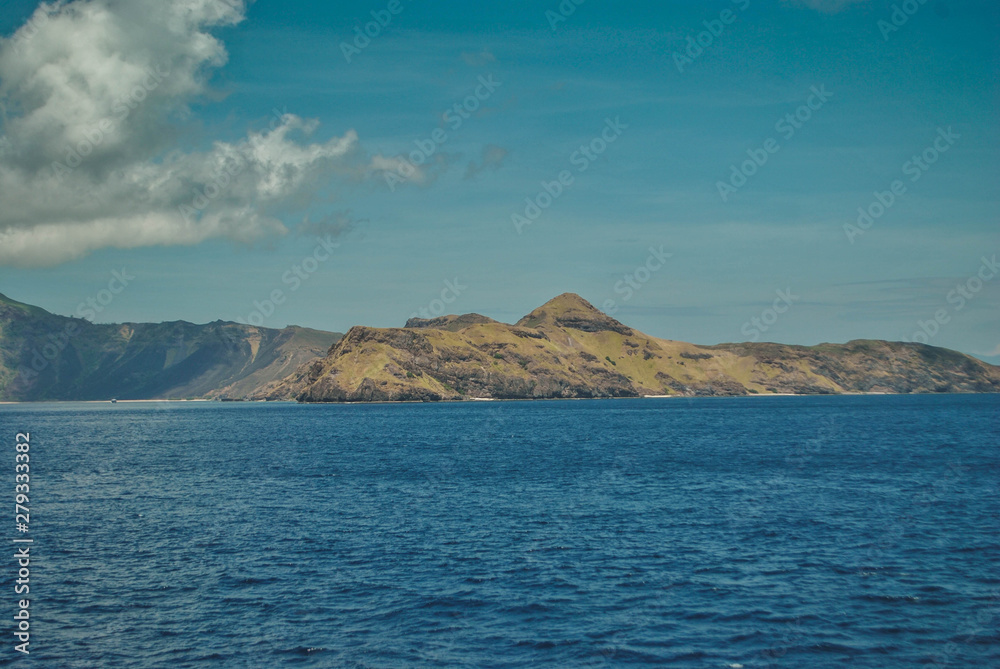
(48, 357)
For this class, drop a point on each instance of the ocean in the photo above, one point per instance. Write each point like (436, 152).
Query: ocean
(730, 532)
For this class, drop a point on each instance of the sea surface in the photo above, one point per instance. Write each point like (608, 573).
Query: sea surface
(738, 532)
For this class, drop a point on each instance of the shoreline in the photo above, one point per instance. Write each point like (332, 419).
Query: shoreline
(117, 401)
(471, 400)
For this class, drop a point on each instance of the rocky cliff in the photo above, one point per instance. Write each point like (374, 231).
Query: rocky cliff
(569, 349)
(48, 357)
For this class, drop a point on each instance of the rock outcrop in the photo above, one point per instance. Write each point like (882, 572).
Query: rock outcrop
(568, 349)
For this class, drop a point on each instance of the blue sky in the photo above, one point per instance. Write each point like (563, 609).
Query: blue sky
(886, 98)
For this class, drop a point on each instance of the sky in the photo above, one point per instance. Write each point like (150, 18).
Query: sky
(795, 171)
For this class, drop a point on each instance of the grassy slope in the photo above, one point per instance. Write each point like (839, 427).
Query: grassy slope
(568, 348)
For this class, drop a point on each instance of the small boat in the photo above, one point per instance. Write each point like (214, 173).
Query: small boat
(114, 401)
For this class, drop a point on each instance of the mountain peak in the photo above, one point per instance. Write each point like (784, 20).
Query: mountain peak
(569, 310)
(570, 301)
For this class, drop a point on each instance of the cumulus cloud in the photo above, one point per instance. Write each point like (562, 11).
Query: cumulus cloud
(93, 94)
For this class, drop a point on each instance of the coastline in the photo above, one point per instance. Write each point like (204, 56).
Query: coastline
(491, 399)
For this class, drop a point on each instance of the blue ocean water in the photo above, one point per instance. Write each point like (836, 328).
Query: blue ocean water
(753, 532)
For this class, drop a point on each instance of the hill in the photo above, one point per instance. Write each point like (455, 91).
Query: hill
(44, 356)
(569, 349)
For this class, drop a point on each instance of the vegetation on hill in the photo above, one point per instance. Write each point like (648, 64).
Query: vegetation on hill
(569, 349)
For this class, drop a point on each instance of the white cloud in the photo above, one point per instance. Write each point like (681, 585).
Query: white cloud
(93, 91)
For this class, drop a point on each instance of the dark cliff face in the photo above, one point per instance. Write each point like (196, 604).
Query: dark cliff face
(569, 349)
(358, 335)
(48, 357)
